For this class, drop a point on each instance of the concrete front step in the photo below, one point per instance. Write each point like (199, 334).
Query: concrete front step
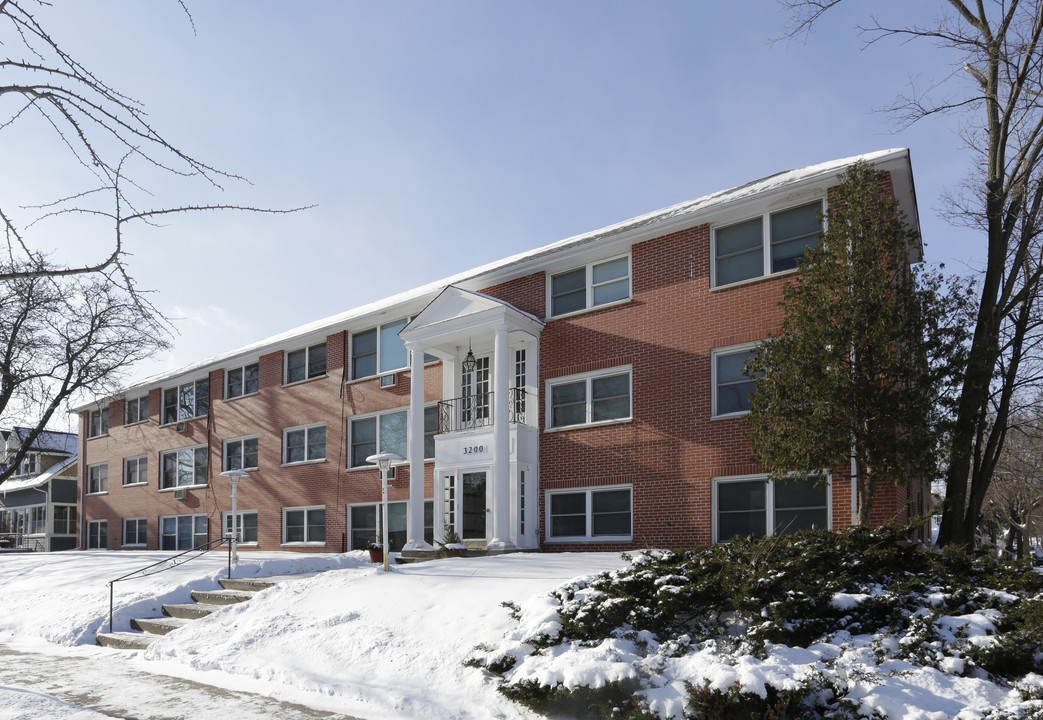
(249, 584)
(222, 597)
(126, 640)
(160, 625)
(191, 611)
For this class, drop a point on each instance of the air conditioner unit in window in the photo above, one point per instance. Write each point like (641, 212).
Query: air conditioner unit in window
(180, 493)
(180, 427)
(387, 380)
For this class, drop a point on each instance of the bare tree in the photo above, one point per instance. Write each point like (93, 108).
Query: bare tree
(996, 86)
(1013, 506)
(69, 329)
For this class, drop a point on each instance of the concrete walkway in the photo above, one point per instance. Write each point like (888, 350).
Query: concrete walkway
(109, 684)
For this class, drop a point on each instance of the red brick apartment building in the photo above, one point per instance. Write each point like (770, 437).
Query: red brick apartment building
(585, 395)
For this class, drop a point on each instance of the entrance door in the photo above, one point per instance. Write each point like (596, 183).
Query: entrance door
(473, 505)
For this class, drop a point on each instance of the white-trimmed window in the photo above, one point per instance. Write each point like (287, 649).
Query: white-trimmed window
(731, 389)
(602, 396)
(304, 444)
(99, 422)
(136, 410)
(37, 520)
(431, 427)
(766, 244)
(603, 513)
(64, 519)
(364, 527)
(186, 401)
(247, 526)
(306, 363)
(97, 478)
(751, 505)
(182, 532)
(372, 434)
(135, 470)
(135, 532)
(304, 525)
(185, 467)
(30, 464)
(244, 380)
(241, 453)
(379, 350)
(599, 283)
(97, 534)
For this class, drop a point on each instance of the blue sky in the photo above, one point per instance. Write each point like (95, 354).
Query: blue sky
(437, 136)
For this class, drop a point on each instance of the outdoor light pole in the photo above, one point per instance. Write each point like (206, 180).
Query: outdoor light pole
(383, 461)
(234, 476)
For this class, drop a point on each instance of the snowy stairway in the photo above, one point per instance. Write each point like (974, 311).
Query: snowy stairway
(148, 630)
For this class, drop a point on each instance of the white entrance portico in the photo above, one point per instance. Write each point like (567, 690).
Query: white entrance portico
(487, 446)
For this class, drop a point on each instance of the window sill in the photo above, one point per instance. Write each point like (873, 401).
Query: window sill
(137, 484)
(379, 375)
(306, 543)
(584, 539)
(305, 380)
(753, 280)
(136, 422)
(303, 462)
(253, 469)
(246, 395)
(99, 492)
(134, 545)
(173, 423)
(95, 437)
(579, 426)
(730, 416)
(374, 467)
(182, 487)
(614, 303)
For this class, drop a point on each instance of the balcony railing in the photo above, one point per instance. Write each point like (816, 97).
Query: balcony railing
(475, 411)
(12, 541)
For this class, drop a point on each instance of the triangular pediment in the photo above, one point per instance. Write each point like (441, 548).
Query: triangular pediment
(456, 310)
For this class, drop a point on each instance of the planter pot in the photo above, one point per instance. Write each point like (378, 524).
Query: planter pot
(376, 555)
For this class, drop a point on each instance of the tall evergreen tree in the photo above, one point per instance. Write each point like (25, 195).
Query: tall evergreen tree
(860, 373)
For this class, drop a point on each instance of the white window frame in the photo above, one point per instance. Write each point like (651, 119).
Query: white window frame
(589, 286)
(242, 443)
(101, 484)
(376, 417)
(101, 427)
(69, 522)
(378, 331)
(769, 501)
(177, 406)
(135, 402)
(766, 244)
(195, 481)
(137, 460)
(97, 530)
(306, 509)
(742, 349)
(587, 537)
(30, 464)
(242, 369)
(307, 363)
(438, 420)
(137, 533)
(307, 432)
(588, 378)
(194, 516)
(226, 526)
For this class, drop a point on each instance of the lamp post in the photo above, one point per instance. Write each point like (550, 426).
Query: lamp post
(383, 461)
(234, 476)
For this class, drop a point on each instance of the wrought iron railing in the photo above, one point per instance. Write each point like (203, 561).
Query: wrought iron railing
(471, 412)
(22, 541)
(169, 564)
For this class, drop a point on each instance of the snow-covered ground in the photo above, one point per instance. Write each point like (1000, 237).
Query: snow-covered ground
(354, 641)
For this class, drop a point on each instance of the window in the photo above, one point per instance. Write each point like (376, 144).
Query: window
(241, 453)
(135, 531)
(731, 389)
(753, 506)
(592, 514)
(365, 525)
(369, 435)
(184, 468)
(99, 422)
(30, 464)
(244, 380)
(135, 471)
(379, 350)
(64, 519)
(431, 427)
(587, 287)
(97, 534)
(187, 401)
(305, 444)
(97, 478)
(247, 526)
(475, 395)
(304, 525)
(591, 398)
(766, 244)
(137, 410)
(37, 520)
(182, 532)
(306, 363)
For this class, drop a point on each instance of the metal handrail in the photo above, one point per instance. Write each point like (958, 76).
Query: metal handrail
(474, 411)
(169, 564)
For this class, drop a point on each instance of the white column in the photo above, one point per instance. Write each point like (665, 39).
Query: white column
(415, 508)
(500, 488)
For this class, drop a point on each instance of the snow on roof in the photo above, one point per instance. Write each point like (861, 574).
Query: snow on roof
(683, 210)
(41, 479)
(49, 440)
